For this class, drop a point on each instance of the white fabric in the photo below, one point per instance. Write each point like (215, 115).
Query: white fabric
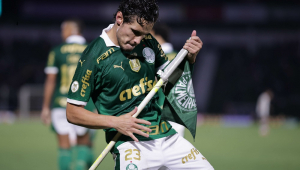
(163, 66)
(167, 47)
(178, 127)
(76, 102)
(105, 37)
(62, 126)
(263, 105)
(169, 153)
(51, 70)
(78, 39)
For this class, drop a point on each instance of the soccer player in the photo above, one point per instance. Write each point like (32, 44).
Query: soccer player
(61, 65)
(161, 34)
(119, 70)
(263, 111)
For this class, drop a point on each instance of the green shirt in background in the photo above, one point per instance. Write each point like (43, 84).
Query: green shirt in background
(62, 60)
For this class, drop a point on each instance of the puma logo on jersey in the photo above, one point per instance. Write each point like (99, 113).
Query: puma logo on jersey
(81, 62)
(116, 66)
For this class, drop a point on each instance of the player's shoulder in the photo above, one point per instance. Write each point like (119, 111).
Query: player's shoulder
(57, 48)
(150, 41)
(149, 38)
(98, 51)
(95, 46)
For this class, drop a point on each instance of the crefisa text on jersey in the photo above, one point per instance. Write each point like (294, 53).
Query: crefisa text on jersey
(135, 90)
(85, 83)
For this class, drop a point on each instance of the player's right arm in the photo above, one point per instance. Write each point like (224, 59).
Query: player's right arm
(87, 77)
(125, 124)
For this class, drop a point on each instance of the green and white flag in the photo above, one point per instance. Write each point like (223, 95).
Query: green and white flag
(180, 106)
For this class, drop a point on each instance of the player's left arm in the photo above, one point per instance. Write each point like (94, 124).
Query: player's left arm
(193, 45)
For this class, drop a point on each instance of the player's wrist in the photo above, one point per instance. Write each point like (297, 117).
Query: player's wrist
(192, 59)
(111, 122)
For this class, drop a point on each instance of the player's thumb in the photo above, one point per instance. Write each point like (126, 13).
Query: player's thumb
(194, 33)
(133, 111)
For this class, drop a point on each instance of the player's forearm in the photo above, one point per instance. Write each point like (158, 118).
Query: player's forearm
(48, 90)
(82, 117)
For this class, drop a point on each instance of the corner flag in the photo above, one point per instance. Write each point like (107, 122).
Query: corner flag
(180, 106)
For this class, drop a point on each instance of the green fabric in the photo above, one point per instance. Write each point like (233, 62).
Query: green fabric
(64, 159)
(64, 58)
(117, 161)
(82, 157)
(180, 105)
(118, 84)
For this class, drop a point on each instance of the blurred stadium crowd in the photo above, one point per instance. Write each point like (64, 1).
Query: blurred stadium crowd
(249, 45)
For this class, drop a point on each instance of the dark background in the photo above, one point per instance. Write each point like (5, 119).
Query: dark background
(249, 45)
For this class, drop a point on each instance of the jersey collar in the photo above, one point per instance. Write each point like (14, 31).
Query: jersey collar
(105, 37)
(75, 39)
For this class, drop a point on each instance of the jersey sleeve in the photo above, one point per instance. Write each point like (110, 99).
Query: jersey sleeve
(51, 67)
(161, 60)
(82, 85)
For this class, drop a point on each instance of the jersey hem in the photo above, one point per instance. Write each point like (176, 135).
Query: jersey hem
(51, 70)
(76, 102)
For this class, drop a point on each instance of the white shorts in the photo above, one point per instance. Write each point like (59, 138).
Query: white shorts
(178, 127)
(62, 126)
(168, 153)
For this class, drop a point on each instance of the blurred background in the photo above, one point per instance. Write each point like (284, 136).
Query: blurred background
(249, 46)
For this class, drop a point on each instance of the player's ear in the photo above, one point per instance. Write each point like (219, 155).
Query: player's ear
(119, 18)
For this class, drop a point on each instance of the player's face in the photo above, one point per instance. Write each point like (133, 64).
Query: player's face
(129, 35)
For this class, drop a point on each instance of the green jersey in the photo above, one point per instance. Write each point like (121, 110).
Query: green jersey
(118, 81)
(62, 61)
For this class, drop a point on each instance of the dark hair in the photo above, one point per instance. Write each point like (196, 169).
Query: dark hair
(162, 30)
(145, 10)
(77, 22)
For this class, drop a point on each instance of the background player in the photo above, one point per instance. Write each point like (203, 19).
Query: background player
(161, 33)
(118, 72)
(62, 62)
(263, 107)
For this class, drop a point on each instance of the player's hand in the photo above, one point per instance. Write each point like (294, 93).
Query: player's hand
(46, 116)
(127, 125)
(193, 45)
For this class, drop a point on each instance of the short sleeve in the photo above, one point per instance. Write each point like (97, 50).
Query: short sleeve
(51, 67)
(161, 59)
(82, 84)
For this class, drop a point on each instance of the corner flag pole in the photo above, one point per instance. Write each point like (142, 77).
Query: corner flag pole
(164, 78)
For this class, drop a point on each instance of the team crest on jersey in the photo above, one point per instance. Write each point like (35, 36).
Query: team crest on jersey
(131, 166)
(149, 55)
(135, 65)
(74, 86)
(183, 93)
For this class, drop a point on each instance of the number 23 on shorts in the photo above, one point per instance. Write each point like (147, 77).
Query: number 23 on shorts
(132, 154)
